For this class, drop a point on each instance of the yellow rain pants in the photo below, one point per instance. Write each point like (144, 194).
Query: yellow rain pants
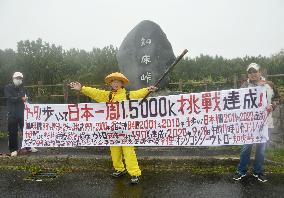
(118, 152)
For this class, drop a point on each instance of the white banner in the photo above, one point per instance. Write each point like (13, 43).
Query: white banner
(228, 117)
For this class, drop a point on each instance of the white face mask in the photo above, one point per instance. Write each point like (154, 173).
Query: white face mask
(17, 82)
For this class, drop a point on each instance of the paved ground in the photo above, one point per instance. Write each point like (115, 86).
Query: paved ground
(153, 184)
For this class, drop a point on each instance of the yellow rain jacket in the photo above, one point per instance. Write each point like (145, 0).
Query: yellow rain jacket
(117, 151)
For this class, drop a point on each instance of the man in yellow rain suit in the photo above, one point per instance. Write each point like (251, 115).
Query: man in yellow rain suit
(117, 81)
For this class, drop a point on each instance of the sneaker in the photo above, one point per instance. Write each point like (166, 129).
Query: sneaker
(134, 180)
(14, 153)
(33, 150)
(238, 176)
(117, 174)
(260, 177)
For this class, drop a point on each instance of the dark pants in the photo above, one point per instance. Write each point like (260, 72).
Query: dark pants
(245, 158)
(258, 160)
(14, 124)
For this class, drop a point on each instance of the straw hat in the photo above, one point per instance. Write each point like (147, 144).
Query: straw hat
(116, 76)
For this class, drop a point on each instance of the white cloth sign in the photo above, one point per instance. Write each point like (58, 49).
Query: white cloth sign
(227, 117)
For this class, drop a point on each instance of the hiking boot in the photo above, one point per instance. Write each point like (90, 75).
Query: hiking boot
(238, 176)
(134, 179)
(117, 174)
(260, 177)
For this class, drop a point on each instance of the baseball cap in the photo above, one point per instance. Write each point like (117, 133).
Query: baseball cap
(18, 74)
(254, 66)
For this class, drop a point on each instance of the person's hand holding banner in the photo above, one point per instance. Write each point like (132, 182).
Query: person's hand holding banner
(152, 89)
(75, 85)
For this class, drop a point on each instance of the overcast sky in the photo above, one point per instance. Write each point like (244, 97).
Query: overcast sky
(230, 28)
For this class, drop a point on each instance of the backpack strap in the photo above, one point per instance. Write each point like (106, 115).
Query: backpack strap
(110, 96)
(127, 95)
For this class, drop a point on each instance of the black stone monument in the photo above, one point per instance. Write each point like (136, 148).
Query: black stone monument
(144, 55)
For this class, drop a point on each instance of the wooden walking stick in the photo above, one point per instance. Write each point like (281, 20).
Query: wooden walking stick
(166, 72)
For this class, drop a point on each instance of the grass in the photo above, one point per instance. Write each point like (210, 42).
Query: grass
(275, 154)
(53, 165)
(227, 147)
